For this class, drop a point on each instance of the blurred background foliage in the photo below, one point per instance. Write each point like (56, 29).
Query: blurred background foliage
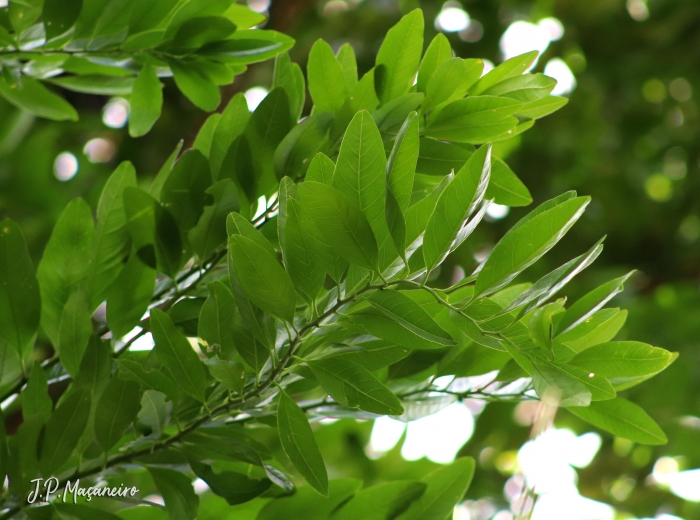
(628, 137)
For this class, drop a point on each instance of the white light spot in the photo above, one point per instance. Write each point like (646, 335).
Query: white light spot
(145, 342)
(522, 37)
(439, 436)
(572, 506)
(3, 3)
(200, 486)
(566, 82)
(99, 150)
(488, 67)
(262, 207)
(334, 7)
(386, 432)
(591, 374)
(65, 166)
(554, 28)
(472, 33)
(259, 6)
(156, 499)
(497, 211)
(116, 113)
(254, 97)
(452, 19)
(638, 10)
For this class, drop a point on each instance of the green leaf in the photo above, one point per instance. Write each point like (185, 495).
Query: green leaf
(154, 412)
(149, 379)
(205, 135)
(474, 120)
(195, 84)
(197, 32)
(352, 385)
(268, 125)
(361, 167)
(445, 82)
(524, 244)
(321, 170)
(512, 67)
(340, 223)
(299, 443)
(81, 512)
(382, 502)
(399, 56)
(185, 189)
(623, 359)
(216, 318)
(74, 331)
(157, 185)
(177, 355)
(412, 316)
(59, 16)
(236, 488)
(111, 233)
(505, 188)
(210, 231)
(244, 47)
(418, 215)
(590, 303)
(556, 388)
(327, 84)
(303, 266)
(262, 278)
(146, 102)
(542, 107)
(456, 204)
(129, 296)
(393, 113)
(63, 431)
(374, 322)
(233, 121)
(550, 284)
(526, 88)
(296, 150)
(401, 166)
(35, 397)
(20, 299)
(598, 328)
(289, 76)
(348, 62)
(118, 407)
(96, 84)
(624, 419)
(440, 158)
(36, 99)
(228, 372)
(446, 488)
(599, 387)
(65, 264)
(307, 504)
(175, 487)
(438, 52)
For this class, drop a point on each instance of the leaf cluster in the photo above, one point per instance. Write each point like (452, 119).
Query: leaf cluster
(282, 270)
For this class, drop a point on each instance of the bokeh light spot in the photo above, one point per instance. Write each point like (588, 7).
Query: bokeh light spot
(472, 33)
(690, 228)
(658, 187)
(497, 211)
(65, 166)
(254, 97)
(654, 91)
(521, 37)
(452, 18)
(680, 89)
(116, 113)
(99, 150)
(558, 69)
(554, 28)
(638, 10)
(335, 7)
(259, 6)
